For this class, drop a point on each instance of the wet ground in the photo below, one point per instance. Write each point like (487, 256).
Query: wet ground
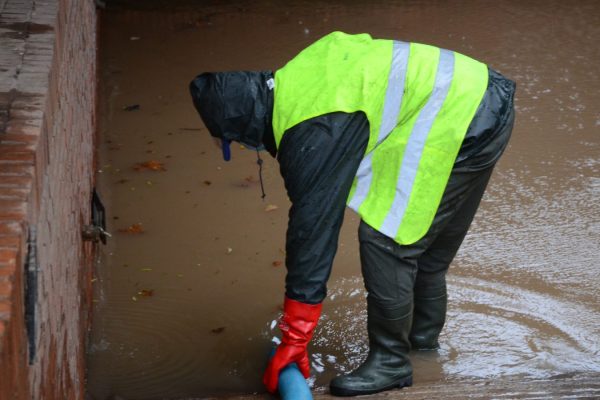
(190, 285)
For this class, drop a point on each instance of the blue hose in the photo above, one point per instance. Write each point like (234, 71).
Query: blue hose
(292, 385)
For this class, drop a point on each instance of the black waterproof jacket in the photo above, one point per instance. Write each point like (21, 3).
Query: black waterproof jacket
(319, 157)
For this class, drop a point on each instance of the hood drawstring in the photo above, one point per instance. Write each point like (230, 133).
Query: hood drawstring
(259, 161)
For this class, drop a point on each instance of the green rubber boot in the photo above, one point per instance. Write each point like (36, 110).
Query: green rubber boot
(387, 365)
(429, 314)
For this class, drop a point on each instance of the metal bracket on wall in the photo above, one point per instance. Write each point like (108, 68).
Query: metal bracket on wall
(97, 230)
(31, 290)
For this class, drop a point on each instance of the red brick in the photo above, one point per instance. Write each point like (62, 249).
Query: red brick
(5, 307)
(10, 242)
(19, 138)
(8, 193)
(19, 128)
(15, 181)
(16, 147)
(13, 214)
(8, 256)
(10, 228)
(7, 271)
(5, 287)
(18, 158)
(26, 170)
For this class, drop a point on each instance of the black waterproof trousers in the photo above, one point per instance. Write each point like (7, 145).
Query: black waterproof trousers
(391, 270)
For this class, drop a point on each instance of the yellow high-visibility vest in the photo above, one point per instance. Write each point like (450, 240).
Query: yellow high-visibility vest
(419, 101)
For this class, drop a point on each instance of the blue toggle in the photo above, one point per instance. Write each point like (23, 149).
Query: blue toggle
(226, 149)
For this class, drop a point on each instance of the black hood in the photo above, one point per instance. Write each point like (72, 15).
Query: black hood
(235, 105)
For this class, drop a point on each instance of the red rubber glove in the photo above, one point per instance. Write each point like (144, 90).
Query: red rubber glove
(297, 325)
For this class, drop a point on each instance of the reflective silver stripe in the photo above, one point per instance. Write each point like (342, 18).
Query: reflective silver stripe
(416, 143)
(363, 176)
(389, 118)
(395, 89)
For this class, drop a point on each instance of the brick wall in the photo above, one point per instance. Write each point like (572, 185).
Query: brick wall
(47, 123)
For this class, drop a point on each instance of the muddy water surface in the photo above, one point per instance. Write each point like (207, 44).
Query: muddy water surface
(187, 307)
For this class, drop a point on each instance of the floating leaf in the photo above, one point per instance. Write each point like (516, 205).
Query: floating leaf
(271, 207)
(146, 292)
(134, 229)
(207, 183)
(145, 269)
(218, 330)
(151, 165)
(277, 263)
(132, 107)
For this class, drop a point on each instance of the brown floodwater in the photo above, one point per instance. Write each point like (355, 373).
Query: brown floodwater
(188, 306)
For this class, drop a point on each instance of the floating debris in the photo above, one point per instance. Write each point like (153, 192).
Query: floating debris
(151, 165)
(134, 229)
(146, 292)
(277, 263)
(218, 330)
(271, 207)
(132, 107)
